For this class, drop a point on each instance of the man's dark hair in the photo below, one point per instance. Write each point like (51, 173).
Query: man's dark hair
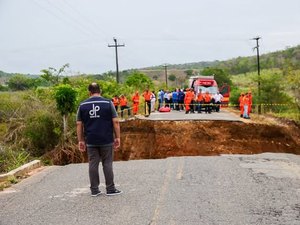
(94, 88)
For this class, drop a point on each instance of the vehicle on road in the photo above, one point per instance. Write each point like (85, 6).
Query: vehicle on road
(208, 83)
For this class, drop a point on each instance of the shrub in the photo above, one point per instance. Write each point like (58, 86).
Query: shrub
(42, 132)
(11, 159)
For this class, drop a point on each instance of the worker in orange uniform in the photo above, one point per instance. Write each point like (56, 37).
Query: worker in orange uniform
(188, 100)
(136, 101)
(124, 106)
(147, 96)
(241, 104)
(250, 103)
(116, 102)
(200, 101)
(207, 102)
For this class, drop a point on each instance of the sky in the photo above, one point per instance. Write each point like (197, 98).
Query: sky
(38, 34)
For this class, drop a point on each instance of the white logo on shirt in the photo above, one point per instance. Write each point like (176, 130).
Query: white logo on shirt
(93, 111)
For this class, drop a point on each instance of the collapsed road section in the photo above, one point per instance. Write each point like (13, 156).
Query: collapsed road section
(146, 139)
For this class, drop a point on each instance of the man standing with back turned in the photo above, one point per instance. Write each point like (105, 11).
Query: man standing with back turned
(98, 132)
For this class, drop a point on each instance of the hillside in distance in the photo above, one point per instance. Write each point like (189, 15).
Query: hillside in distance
(278, 59)
(290, 57)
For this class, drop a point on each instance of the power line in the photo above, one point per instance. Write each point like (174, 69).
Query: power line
(59, 17)
(67, 17)
(116, 45)
(72, 18)
(87, 19)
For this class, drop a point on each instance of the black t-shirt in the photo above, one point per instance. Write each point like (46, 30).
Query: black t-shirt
(96, 114)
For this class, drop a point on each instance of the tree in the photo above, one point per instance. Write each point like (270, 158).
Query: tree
(172, 77)
(3, 88)
(52, 75)
(182, 82)
(294, 85)
(20, 82)
(220, 75)
(139, 80)
(272, 88)
(155, 77)
(65, 97)
(189, 73)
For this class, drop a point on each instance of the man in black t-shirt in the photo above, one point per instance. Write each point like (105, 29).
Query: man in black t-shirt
(98, 133)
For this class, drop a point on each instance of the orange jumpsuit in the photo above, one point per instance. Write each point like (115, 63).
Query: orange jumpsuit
(207, 101)
(187, 100)
(123, 104)
(116, 102)
(200, 100)
(246, 101)
(147, 95)
(200, 97)
(136, 101)
(123, 101)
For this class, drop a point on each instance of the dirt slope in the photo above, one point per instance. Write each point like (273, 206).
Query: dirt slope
(142, 139)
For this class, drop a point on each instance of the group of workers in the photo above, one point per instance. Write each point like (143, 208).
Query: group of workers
(190, 101)
(123, 103)
(245, 103)
(181, 100)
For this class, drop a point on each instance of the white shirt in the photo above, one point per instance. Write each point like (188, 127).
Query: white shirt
(153, 97)
(218, 97)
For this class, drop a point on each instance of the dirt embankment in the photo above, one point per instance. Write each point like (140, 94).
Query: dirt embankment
(142, 139)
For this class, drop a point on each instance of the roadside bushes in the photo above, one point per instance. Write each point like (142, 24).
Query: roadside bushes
(42, 132)
(29, 123)
(11, 159)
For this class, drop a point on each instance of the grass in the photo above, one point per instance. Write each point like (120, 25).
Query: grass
(12, 159)
(289, 115)
(9, 182)
(4, 185)
(246, 82)
(13, 180)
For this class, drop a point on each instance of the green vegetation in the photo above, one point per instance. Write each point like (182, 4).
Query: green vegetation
(240, 65)
(39, 121)
(139, 80)
(279, 60)
(20, 82)
(221, 76)
(65, 97)
(11, 159)
(278, 94)
(42, 132)
(172, 77)
(52, 75)
(13, 180)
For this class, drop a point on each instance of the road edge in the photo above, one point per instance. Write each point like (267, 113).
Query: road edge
(21, 171)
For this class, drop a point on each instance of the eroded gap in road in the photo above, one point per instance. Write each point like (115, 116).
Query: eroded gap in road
(144, 139)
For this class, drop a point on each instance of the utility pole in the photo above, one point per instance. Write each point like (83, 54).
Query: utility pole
(258, 72)
(166, 74)
(116, 45)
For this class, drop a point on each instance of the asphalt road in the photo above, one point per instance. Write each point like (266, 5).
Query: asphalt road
(228, 189)
(223, 115)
